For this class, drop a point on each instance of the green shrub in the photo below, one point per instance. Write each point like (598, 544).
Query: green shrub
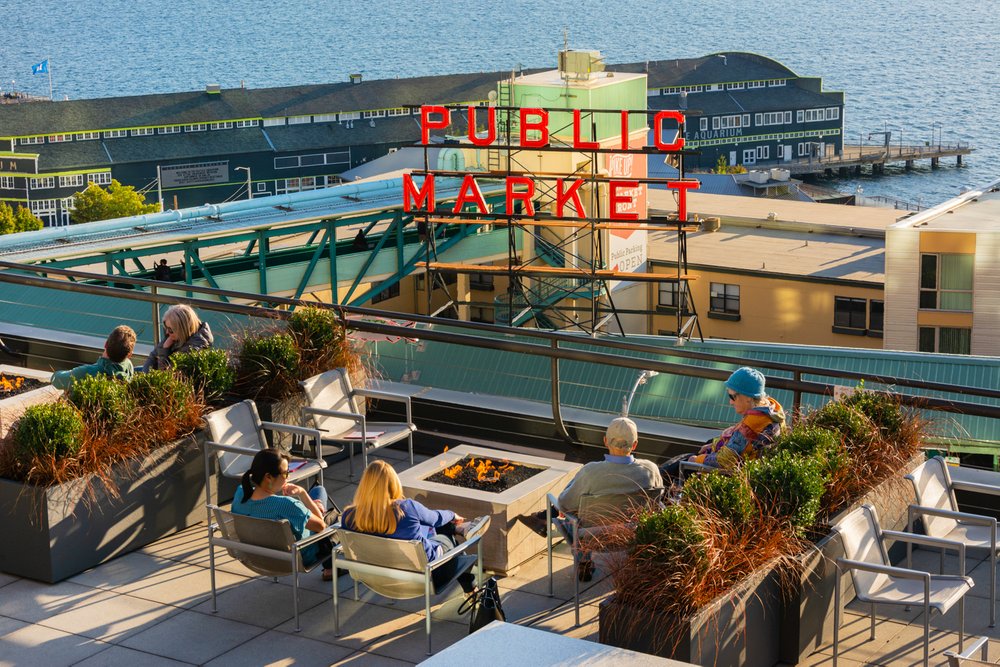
(855, 429)
(315, 328)
(268, 365)
(729, 496)
(208, 371)
(101, 399)
(163, 392)
(813, 441)
(883, 410)
(789, 486)
(672, 532)
(48, 428)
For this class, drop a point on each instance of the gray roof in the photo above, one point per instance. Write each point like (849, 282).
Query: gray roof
(744, 101)
(722, 67)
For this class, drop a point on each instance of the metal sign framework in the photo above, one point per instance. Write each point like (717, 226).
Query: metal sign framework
(546, 286)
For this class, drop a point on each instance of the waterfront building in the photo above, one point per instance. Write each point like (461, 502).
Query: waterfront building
(208, 146)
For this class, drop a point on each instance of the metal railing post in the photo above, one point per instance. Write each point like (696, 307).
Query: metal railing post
(796, 397)
(556, 409)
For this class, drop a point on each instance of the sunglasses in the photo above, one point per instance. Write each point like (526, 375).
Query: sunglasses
(282, 473)
(732, 397)
(167, 329)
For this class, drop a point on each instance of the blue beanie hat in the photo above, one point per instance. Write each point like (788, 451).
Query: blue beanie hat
(747, 381)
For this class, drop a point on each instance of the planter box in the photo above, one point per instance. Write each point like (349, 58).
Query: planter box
(759, 623)
(12, 408)
(737, 629)
(54, 533)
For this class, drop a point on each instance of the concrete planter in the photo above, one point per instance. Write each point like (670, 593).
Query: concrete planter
(759, 622)
(56, 532)
(738, 628)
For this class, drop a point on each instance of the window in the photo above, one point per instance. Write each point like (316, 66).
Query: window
(312, 160)
(481, 314)
(833, 113)
(774, 118)
(86, 136)
(749, 156)
(378, 113)
(355, 115)
(732, 121)
(6, 182)
(763, 152)
(799, 115)
(702, 124)
(325, 118)
(876, 315)
(946, 282)
(947, 340)
(815, 115)
(776, 83)
(668, 295)
(67, 204)
(804, 149)
(142, 132)
(734, 86)
(755, 84)
(74, 181)
(483, 281)
(196, 127)
(715, 123)
(100, 178)
(169, 129)
(43, 183)
(247, 123)
(746, 120)
(59, 138)
(849, 313)
(43, 206)
(387, 293)
(299, 120)
(398, 111)
(724, 299)
(286, 162)
(271, 122)
(225, 125)
(31, 140)
(115, 134)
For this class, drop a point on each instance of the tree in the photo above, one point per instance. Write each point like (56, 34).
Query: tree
(723, 167)
(17, 220)
(118, 201)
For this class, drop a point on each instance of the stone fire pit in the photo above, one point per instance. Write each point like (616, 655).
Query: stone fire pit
(508, 543)
(12, 408)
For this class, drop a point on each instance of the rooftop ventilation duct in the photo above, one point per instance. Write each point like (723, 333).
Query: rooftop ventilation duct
(579, 65)
(355, 78)
(213, 88)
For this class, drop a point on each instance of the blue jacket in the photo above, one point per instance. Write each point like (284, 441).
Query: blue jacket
(415, 522)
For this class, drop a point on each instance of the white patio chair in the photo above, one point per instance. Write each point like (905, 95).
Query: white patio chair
(265, 546)
(877, 581)
(236, 434)
(398, 569)
(598, 515)
(938, 509)
(334, 410)
(965, 659)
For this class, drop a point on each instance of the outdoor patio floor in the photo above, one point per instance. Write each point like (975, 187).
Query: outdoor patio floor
(153, 607)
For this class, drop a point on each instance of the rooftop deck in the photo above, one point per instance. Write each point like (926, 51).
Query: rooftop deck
(153, 607)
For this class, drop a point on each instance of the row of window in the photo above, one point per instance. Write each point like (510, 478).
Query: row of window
(769, 118)
(49, 182)
(858, 316)
(713, 87)
(777, 136)
(313, 160)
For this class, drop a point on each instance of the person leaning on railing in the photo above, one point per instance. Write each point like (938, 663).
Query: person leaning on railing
(762, 420)
(184, 333)
(115, 362)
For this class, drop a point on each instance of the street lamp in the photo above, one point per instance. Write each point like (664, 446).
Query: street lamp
(857, 195)
(641, 380)
(247, 170)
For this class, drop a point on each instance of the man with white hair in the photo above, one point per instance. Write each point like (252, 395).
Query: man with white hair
(618, 473)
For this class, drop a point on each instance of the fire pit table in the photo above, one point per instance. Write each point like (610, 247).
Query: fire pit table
(508, 543)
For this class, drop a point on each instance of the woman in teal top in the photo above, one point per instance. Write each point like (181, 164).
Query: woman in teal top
(265, 493)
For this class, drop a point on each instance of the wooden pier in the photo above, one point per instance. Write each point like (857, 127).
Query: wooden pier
(854, 158)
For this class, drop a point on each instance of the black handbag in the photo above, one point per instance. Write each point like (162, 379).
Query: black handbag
(484, 605)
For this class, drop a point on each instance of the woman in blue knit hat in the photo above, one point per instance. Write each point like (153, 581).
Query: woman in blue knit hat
(762, 420)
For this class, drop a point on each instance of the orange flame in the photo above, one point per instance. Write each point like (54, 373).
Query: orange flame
(486, 470)
(8, 384)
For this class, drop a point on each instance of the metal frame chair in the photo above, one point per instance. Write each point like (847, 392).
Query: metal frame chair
(965, 659)
(877, 581)
(265, 546)
(597, 514)
(333, 409)
(936, 505)
(398, 569)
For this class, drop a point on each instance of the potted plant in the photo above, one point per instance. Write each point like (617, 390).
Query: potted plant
(744, 559)
(107, 469)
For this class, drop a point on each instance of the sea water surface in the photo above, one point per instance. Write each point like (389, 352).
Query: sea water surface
(924, 69)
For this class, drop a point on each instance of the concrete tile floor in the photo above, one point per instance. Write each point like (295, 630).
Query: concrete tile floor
(153, 607)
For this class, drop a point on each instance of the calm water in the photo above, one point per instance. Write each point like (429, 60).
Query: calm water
(909, 64)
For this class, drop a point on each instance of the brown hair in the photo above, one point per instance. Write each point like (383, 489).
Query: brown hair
(120, 343)
(183, 321)
(375, 509)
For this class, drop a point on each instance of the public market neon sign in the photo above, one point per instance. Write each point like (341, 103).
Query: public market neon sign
(534, 134)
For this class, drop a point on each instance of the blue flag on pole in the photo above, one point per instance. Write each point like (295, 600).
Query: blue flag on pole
(41, 68)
